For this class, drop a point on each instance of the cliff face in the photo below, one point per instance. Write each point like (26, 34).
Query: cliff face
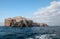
(7, 21)
(21, 22)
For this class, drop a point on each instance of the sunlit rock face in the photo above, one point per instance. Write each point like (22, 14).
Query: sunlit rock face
(20, 21)
(18, 18)
(40, 24)
(7, 21)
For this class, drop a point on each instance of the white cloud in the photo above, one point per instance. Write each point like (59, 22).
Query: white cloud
(49, 14)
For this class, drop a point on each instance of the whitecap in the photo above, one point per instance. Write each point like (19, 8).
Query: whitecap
(45, 37)
(29, 38)
(37, 37)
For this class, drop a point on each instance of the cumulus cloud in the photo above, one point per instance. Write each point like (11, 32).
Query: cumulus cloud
(49, 14)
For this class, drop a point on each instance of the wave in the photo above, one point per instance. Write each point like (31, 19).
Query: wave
(30, 33)
(45, 36)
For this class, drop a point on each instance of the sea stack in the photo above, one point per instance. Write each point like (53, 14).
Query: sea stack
(20, 21)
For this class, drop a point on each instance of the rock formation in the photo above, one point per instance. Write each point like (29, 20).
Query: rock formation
(39, 24)
(7, 21)
(21, 22)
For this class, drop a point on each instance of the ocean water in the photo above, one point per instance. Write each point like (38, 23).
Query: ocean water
(50, 32)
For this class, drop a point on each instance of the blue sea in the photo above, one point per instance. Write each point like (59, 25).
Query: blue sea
(50, 32)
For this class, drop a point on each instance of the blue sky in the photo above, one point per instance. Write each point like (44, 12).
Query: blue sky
(26, 8)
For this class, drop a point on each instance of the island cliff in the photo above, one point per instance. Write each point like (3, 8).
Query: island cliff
(21, 22)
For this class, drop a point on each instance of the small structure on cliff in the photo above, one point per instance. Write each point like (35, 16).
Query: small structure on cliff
(21, 22)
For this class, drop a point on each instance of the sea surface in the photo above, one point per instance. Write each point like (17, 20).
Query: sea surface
(50, 32)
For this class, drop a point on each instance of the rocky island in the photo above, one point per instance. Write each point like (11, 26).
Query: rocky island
(20, 21)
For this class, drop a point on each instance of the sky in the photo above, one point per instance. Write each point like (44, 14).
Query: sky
(46, 11)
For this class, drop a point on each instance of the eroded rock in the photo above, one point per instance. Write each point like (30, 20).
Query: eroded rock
(21, 22)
